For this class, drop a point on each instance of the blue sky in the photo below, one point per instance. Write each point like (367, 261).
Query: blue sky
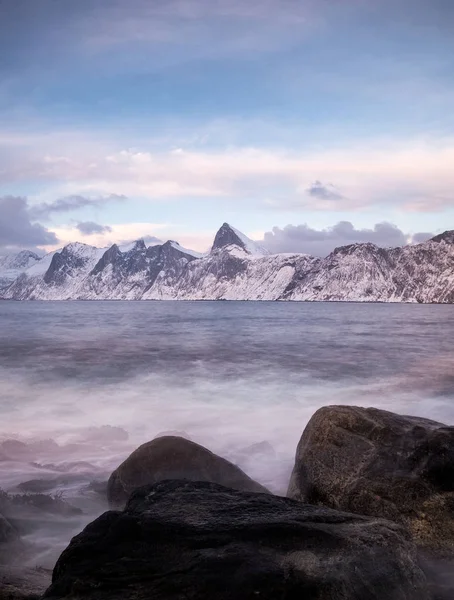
(284, 118)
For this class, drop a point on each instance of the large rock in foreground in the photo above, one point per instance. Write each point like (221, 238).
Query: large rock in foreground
(201, 541)
(172, 457)
(374, 462)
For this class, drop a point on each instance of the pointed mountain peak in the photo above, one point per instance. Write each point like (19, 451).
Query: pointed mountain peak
(229, 236)
(226, 236)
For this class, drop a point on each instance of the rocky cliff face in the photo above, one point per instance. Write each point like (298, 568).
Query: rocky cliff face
(237, 268)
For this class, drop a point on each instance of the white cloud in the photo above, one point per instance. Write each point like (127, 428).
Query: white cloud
(413, 175)
(122, 233)
(320, 242)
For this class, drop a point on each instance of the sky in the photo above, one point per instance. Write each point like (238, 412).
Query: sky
(306, 124)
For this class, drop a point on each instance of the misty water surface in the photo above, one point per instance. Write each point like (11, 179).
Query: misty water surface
(226, 374)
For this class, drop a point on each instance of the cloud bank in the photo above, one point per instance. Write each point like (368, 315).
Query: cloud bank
(17, 229)
(320, 242)
(90, 227)
(408, 175)
(71, 203)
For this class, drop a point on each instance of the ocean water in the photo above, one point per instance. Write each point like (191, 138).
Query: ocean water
(227, 375)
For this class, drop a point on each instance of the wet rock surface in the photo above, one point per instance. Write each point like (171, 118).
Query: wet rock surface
(200, 540)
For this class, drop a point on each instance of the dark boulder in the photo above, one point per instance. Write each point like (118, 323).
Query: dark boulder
(11, 545)
(7, 532)
(374, 462)
(172, 457)
(201, 541)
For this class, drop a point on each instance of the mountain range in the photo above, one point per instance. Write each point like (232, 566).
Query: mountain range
(236, 268)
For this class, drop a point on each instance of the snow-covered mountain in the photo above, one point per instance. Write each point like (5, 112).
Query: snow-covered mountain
(12, 265)
(421, 273)
(237, 268)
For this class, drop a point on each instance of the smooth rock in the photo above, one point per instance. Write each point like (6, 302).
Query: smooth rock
(201, 541)
(174, 458)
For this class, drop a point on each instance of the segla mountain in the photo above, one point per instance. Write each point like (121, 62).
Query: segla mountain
(237, 268)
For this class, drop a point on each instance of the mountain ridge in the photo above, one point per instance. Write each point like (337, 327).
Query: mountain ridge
(237, 268)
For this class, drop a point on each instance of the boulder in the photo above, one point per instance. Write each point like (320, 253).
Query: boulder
(11, 545)
(374, 462)
(200, 541)
(173, 457)
(7, 532)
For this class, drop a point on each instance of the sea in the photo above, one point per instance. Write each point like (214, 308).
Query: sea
(82, 384)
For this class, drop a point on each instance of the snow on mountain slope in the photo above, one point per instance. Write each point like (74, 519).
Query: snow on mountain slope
(237, 270)
(367, 273)
(12, 265)
(357, 272)
(63, 277)
(193, 253)
(224, 275)
(132, 275)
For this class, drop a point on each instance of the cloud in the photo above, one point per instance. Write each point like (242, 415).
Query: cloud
(120, 233)
(408, 174)
(418, 238)
(71, 203)
(89, 228)
(151, 240)
(16, 227)
(323, 192)
(320, 242)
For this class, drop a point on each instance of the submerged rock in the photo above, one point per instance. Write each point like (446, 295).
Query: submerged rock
(174, 458)
(28, 512)
(11, 545)
(23, 584)
(375, 462)
(7, 532)
(200, 541)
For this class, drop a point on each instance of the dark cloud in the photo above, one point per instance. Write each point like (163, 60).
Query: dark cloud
(16, 227)
(89, 228)
(323, 192)
(71, 203)
(320, 242)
